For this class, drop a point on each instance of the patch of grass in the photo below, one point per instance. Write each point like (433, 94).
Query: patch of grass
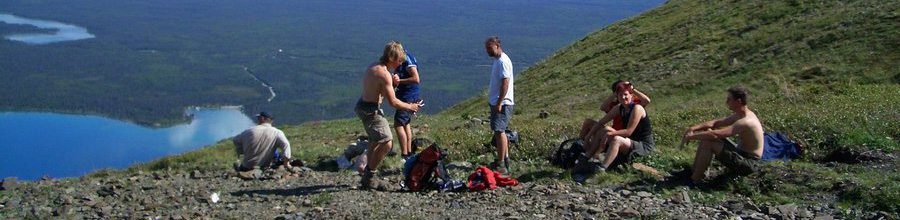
(322, 198)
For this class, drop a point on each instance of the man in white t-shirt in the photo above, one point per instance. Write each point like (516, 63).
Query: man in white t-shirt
(258, 145)
(500, 99)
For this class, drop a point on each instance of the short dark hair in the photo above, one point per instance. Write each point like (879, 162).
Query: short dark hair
(614, 85)
(493, 40)
(739, 93)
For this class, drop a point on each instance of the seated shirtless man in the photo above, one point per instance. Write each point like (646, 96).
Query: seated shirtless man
(377, 84)
(742, 158)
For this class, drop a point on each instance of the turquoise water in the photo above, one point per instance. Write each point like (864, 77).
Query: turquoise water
(65, 32)
(62, 145)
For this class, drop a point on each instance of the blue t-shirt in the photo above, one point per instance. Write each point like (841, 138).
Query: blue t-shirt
(407, 92)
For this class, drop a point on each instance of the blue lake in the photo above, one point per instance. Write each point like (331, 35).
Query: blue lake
(64, 32)
(62, 145)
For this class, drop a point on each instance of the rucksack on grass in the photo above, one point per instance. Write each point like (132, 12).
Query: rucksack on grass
(567, 153)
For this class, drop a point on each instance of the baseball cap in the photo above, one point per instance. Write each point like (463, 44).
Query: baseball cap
(265, 115)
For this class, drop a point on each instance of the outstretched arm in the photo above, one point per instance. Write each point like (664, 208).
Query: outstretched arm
(388, 90)
(710, 134)
(717, 134)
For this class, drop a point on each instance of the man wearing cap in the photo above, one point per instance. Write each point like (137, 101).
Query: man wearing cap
(258, 145)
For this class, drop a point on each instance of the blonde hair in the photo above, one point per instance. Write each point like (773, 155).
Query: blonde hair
(393, 51)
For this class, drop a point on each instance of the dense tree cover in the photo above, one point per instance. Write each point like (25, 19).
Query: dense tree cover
(151, 59)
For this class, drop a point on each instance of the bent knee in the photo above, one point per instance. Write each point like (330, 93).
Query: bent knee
(620, 140)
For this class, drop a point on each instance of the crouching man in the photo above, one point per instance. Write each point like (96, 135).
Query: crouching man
(258, 145)
(742, 158)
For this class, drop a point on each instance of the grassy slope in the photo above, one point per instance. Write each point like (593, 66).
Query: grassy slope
(823, 72)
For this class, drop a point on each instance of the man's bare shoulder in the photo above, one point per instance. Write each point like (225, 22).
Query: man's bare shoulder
(748, 120)
(377, 70)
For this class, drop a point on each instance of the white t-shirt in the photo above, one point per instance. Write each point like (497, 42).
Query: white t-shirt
(258, 145)
(501, 69)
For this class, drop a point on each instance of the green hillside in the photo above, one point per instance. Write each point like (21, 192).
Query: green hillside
(824, 72)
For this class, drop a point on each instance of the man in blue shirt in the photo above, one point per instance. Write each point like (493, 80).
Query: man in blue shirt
(406, 80)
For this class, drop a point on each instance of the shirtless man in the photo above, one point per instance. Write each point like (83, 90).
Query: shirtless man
(377, 84)
(742, 158)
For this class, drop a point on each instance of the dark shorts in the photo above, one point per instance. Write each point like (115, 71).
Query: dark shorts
(500, 121)
(374, 122)
(638, 149)
(403, 117)
(737, 160)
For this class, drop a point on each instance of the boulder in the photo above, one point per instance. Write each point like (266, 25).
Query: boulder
(9, 183)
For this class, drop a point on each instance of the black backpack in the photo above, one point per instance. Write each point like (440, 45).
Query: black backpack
(511, 136)
(567, 153)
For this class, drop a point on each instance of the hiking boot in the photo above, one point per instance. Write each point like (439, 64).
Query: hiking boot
(249, 175)
(582, 164)
(370, 181)
(505, 170)
(366, 181)
(502, 167)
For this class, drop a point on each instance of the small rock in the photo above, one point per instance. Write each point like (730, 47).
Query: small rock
(61, 211)
(290, 209)
(787, 211)
(805, 214)
(105, 211)
(629, 213)
(214, 198)
(824, 217)
(196, 174)
(106, 191)
(544, 114)
(644, 194)
(9, 183)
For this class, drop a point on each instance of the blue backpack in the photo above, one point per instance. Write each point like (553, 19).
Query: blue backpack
(778, 147)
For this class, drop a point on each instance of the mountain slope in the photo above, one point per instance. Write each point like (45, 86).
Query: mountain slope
(823, 72)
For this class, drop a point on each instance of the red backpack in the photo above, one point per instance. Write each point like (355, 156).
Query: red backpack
(423, 169)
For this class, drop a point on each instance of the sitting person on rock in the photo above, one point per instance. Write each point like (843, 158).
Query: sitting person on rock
(635, 139)
(258, 145)
(742, 158)
(589, 129)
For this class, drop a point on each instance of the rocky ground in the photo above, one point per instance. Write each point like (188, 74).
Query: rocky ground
(309, 194)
